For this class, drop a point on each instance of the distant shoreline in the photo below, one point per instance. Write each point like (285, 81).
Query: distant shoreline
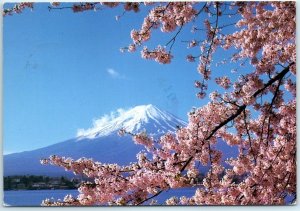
(33, 182)
(38, 189)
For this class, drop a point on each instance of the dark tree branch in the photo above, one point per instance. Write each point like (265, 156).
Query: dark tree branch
(174, 38)
(279, 76)
(151, 197)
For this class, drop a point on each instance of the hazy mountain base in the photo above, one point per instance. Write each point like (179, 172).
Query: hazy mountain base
(113, 149)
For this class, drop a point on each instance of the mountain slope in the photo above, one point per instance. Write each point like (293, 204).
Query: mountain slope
(100, 142)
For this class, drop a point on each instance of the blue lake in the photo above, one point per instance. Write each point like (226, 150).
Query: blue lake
(35, 197)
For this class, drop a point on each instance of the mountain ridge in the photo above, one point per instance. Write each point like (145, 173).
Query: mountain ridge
(101, 142)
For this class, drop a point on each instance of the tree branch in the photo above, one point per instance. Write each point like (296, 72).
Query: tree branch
(279, 76)
(151, 197)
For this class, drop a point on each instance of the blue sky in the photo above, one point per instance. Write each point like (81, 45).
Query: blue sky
(64, 69)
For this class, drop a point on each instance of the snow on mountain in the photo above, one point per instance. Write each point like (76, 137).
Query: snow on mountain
(133, 120)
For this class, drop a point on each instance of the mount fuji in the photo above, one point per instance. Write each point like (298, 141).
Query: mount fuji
(101, 142)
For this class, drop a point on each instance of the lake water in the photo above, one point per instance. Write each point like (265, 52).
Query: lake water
(35, 197)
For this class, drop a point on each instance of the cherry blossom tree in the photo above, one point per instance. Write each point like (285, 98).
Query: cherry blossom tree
(256, 112)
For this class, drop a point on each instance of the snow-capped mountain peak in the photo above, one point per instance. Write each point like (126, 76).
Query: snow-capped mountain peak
(133, 120)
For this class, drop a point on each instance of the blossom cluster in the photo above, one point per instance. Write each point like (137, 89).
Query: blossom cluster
(167, 18)
(159, 54)
(18, 8)
(223, 82)
(259, 32)
(83, 7)
(172, 15)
